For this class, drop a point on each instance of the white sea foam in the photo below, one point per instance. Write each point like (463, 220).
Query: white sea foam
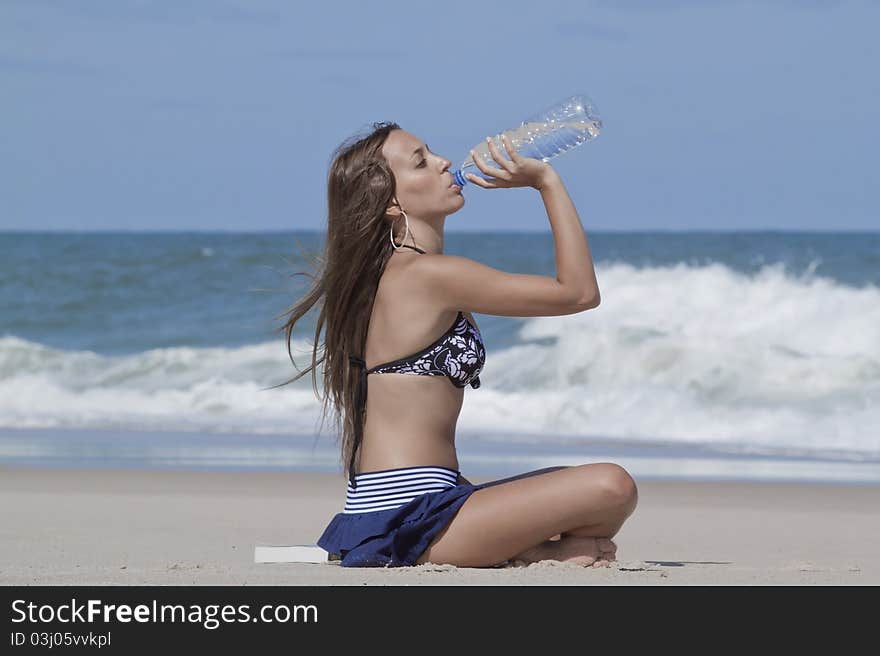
(751, 363)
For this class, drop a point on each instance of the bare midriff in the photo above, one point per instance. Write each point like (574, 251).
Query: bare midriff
(410, 421)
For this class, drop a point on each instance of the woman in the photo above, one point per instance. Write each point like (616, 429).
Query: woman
(388, 291)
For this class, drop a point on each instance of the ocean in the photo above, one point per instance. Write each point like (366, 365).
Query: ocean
(713, 355)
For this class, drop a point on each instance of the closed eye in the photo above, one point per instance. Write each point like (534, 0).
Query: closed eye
(424, 162)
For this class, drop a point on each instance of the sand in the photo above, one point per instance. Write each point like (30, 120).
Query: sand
(163, 527)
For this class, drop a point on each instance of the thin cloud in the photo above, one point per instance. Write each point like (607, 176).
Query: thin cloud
(179, 12)
(664, 5)
(37, 66)
(341, 80)
(200, 106)
(590, 31)
(337, 54)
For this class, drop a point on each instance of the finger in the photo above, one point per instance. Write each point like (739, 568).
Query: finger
(497, 156)
(480, 182)
(508, 146)
(491, 170)
(481, 164)
(488, 183)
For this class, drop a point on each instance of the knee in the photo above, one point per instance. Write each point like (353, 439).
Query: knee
(619, 487)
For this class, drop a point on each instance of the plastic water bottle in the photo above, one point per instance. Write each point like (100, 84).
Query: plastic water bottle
(559, 128)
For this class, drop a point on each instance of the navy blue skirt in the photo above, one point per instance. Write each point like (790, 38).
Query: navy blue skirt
(392, 516)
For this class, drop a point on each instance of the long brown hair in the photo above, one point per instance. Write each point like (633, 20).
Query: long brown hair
(360, 187)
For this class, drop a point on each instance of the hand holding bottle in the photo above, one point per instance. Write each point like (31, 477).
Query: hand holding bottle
(517, 171)
(542, 136)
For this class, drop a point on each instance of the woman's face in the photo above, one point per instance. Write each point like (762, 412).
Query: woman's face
(423, 178)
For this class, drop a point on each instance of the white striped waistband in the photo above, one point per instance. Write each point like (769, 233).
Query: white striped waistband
(391, 488)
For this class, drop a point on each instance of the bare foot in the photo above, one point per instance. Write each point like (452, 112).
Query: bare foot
(608, 549)
(608, 553)
(584, 551)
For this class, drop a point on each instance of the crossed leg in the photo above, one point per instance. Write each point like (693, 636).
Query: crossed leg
(517, 517)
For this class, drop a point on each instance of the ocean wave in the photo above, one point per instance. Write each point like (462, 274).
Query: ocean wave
(698, 354)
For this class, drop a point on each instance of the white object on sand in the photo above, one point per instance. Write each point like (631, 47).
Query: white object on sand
(297, 553)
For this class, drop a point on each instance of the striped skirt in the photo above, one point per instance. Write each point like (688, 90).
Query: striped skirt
(391, 516)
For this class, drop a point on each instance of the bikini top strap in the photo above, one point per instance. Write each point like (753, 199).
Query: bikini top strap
(415, 248)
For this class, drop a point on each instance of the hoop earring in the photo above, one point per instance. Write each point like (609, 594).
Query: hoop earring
(405, 232)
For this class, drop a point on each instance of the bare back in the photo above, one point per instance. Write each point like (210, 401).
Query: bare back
(410, 420)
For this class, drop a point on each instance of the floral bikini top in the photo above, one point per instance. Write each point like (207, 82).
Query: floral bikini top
(459, 354)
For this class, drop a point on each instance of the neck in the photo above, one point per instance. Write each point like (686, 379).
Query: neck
(426, 235)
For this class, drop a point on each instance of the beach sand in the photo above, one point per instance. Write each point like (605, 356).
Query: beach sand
(136, 527)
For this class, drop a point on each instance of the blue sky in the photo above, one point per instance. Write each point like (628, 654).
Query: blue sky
(222, 114)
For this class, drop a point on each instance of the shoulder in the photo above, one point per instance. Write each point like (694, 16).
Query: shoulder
(433, 268)
(405, 269)
(417, 274)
